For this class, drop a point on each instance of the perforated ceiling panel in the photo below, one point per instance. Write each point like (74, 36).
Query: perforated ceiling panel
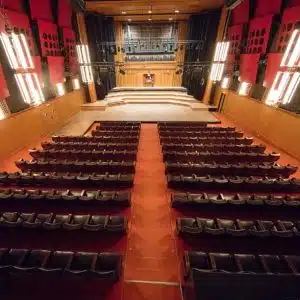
(290, 17)
(13, 4)
(259, 34)
(240, 15)
(48, 35)
(235, 36)
(69, 45)
(4, 92)
(19, 23)
(56, 67)
(249, 67)
(64, 13)
(267, 7)
(41, 9)
(273, 63)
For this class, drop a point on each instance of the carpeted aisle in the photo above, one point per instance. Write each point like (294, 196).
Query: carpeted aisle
(151, 262)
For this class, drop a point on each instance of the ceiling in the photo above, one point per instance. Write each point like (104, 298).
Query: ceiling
(138, 10)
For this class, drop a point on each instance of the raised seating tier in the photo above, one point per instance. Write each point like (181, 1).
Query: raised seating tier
(96, 139)
(206, 140)
(209, 133)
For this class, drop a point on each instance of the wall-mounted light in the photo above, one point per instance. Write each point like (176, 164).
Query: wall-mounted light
(84, 59)
(17, 51)
(30, 88)
(220, 57)
(225, 83)
(287, 79)
(60, 89)
(76, 84)
(4, 110)
(244, 88)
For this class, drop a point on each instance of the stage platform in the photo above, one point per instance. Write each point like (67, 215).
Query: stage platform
(149, 89)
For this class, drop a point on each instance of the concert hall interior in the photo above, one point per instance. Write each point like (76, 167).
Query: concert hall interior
(150, 150)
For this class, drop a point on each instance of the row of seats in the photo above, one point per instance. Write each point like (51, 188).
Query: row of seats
(205, 140)
(89, 146)
(214, 148)
(95, 139)
(78, 180)
(238, 228)
(253, 184)
(163, 128)
(246, 201)
(66, 196)
(84, 154)
(210, 133)
(182, 123)
(53, 165)
(111, 128)
(226, 157)
(120, 134)
(84, 265)
(240, 169)
(227, 276)
(119, 123)
(52, 221)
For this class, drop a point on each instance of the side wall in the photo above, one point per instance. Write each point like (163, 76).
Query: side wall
(279, 127)
(27, 127)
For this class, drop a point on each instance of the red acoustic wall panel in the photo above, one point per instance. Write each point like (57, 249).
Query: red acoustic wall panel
(235, 36)
(290, 17)
(259, 34)
(292, 3)
(273, 63)
(4, 92)
(267, 7)
(19, 23)
(64, 14)
(13, 4)
(69, 45)
(240, 14)
(249, 67)
(231, 60)
(41, 9)
(56, 67)
(48, 35)
(38, 68)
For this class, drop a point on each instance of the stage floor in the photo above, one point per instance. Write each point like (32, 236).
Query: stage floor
(80, 122)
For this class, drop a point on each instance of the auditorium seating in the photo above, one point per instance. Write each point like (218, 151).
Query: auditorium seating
(45, 263)
(239, 169)
(210, 133)
(163, 128)
(214, 148)
(89, 146)
(87, 166)
(227, 183)
(205, 140)
(76, 180)
(214, 276)
(130, 128)
(244, 201)
(237, 228)
(113, 133)
(70, 222)
(65, 197)
(95, 139)
(115, 155)
(227, 157)
(182, 123)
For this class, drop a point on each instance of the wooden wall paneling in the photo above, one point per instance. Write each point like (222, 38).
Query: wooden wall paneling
(27, 127)
(275, 125)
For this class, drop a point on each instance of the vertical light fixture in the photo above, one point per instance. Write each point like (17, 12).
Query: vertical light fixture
(60, 89)
(18, 54)
(220, 57)
(287, 78)
(244, 88)
(84, 60)
(225, 82)
(76, 84)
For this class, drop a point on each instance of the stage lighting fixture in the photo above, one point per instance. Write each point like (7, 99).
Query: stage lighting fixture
(220, 57)
(287, 78)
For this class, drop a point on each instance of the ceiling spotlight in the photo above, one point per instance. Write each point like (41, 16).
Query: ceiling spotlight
(176, 11)
(170, 19)
(149, 19)
(123, 12)
(149, 11)
(129, 20)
